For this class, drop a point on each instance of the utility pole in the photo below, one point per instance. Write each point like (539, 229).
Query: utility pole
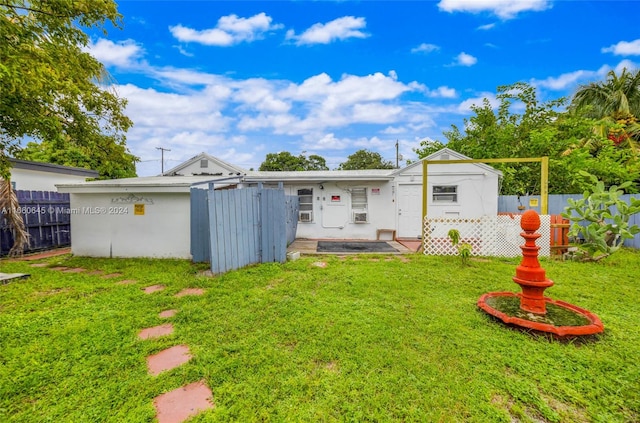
(162, 157)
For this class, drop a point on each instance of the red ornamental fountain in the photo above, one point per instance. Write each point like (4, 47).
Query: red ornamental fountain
(531, 309)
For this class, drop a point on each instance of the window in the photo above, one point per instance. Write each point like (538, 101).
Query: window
(204, 163)
(305, 199)
(445, 193)
(359, 198)
(359, 205)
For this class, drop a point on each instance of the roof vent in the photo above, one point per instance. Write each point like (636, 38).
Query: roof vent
(444, 157)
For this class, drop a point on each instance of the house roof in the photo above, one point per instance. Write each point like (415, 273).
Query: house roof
(446, 154)
(183, 183)
(321, 175)
(236, 170)
(146, 184)
(52, 168)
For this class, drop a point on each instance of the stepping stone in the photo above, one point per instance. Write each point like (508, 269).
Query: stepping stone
(59, 268)
(178, 405)
(153, 288)
(74, 270)
(190, 291)
(126, 282)
(95, 272)
(156, 331)
(39, 265)
(111, 275)
(167, 313)
(168, 359)
(321, 264)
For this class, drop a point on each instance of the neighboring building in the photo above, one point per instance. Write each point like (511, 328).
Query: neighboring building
(36, 176)
(333, 204)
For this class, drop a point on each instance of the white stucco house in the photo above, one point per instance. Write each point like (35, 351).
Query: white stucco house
(35, 176)
(150, 216)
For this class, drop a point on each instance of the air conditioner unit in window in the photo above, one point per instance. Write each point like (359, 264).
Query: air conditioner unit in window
(359, 217)
(305, 216)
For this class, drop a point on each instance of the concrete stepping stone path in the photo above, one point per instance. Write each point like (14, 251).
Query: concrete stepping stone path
(153, 288)
(156, 331)
(190, 291)
(167, 313)
(178, 405)
(75, 270)
(168, 359)
(126, 282)
(111, 275)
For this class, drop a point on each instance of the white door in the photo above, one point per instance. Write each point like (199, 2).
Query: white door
(409, 211)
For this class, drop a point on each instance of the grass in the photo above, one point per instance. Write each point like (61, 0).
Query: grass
(367, 338)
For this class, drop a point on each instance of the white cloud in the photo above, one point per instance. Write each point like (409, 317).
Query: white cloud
(624, 48)
(123, 54)
(230, 30)
(464, 59)
(504, 9)
(465, 106)
(564, 81)
(487, 27)
(338, 29)
(628, 64)
(425, 48)
(444, 92)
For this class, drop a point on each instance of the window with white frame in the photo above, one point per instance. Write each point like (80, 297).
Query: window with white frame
(305, 199)
(445, 193)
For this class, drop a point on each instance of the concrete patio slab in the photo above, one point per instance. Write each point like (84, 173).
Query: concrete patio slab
(178, 405)
(168, 359)
(156, 331)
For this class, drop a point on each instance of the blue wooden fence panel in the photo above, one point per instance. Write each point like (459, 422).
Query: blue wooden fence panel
(199, 213)
(292, 207)
(47, 218)
(557, 204)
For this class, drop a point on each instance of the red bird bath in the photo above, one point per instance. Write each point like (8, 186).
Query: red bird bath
(531, 309)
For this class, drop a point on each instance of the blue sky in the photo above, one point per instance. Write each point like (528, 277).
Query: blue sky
(240, 79)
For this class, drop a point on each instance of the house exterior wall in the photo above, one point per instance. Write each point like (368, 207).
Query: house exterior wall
(477, 189)
(31, 180)
(106, 225)
(333, 213)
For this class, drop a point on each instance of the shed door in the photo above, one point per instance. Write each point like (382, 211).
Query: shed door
(409, 211)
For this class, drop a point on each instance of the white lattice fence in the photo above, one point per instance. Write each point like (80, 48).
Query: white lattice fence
(488, 235)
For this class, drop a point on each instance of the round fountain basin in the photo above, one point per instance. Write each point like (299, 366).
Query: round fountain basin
(561, 318)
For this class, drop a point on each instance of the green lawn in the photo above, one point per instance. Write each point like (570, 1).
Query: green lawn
(371, 338)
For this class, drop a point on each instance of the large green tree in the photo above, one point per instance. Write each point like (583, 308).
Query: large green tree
(540, 129)
(51, 87)
(365, 159)
(285, 161)
(615, 103)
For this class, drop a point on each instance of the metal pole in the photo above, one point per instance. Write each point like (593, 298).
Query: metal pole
(162, 158)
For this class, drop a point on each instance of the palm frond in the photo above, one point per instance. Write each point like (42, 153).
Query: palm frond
(11, 211)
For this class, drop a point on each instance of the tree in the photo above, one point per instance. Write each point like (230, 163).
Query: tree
(285, 161)
(615, 103)
(428, 147)
(365, 159)
(50, 87)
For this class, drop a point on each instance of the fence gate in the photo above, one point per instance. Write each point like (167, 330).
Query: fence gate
(237, 227)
